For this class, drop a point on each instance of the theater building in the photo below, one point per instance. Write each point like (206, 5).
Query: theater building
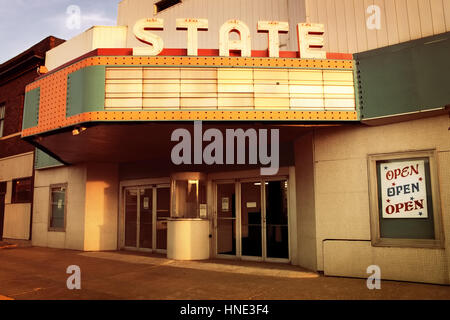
(17, 156)
(345, 125)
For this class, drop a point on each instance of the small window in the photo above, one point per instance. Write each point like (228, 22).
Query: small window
(58, 204)
(404, 200)
(165, 4)
(21, 191)
(2, 118)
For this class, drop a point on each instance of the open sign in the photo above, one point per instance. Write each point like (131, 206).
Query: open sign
(403, 189)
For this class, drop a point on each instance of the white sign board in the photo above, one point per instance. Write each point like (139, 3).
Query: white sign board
(146, 203)
(251, 204)
(403, 189)
(225, 204)
(203, 210)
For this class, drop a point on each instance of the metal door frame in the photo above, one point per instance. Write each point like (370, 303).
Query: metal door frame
(139, 188)
(238, 229)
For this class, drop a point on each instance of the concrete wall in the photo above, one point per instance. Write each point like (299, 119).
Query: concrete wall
(305, 202)
(17, 216)
(101, 207)
(342, 200)
(92, 207)
(400, 20)
(73, 237)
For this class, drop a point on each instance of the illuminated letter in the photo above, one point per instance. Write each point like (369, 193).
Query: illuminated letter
(192, 26)
(156, 43)
(273, 28)
(310, 37)
(244, 44)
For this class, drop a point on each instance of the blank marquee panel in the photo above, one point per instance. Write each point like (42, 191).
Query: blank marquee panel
(144, 88)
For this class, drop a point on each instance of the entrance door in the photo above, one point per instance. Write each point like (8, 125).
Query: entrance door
(251, 219)
(146, 214)
(162, 214)
(2, 207)
(226, 219)
(276, 220)
(145, 218)
(261, 216)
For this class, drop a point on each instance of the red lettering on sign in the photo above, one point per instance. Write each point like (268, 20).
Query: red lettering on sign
(398, 207)
(404, 172)
(418, 204)
(390, 209)
(409, 206)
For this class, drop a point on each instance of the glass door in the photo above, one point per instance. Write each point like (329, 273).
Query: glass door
(131, 217)
(251, 219)
(162, 214)
(226, 219)
(146, 218)
(276, 220)
(146, 212)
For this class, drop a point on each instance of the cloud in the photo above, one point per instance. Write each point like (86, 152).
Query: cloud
(25, 22)
(66, 26)
(97, 18)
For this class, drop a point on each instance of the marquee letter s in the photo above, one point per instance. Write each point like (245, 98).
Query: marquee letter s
(141, 33)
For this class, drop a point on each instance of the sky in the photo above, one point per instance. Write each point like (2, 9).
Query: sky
(24, 23)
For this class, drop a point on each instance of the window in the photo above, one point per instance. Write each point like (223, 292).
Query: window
(21, 191)
(404, 200)
(165, 4)
(2, 118)
(58, 204)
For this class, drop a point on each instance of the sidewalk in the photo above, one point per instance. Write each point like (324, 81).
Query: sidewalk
(40, 273)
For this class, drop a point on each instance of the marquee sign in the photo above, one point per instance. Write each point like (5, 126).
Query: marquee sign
(153, 83)
(310, 37)
(403, 189)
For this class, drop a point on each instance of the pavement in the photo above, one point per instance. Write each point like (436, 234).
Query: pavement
(40, 274)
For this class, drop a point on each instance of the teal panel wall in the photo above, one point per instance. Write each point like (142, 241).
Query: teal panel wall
(43, 160)
(86, 90)
(31, 108)
(404, 78)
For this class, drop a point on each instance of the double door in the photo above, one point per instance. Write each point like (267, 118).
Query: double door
(146, 212)
(252, 220)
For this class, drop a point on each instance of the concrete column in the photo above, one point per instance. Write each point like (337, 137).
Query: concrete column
(101, 207)
(306, 216)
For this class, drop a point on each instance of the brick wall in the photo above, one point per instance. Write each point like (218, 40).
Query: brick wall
(15, 74)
